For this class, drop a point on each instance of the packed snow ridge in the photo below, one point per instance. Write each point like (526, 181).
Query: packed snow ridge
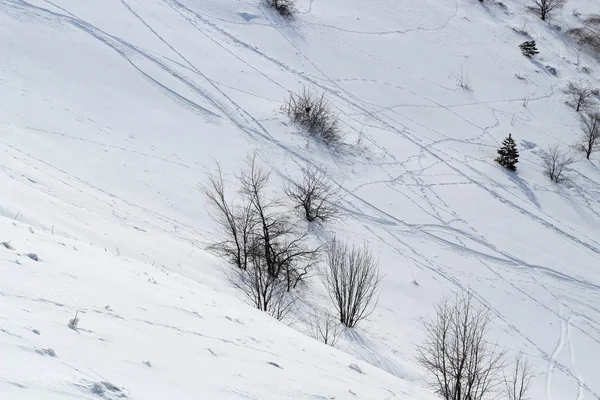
(114, 113)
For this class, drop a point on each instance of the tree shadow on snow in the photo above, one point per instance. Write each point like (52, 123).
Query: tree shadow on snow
(524, 188)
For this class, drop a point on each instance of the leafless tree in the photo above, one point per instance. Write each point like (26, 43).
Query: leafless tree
(545, 8)
(315, 196)
(518, 382)
(582, 96)
(461, 362)
(352, 280)
(264, 291)
(590, 138)
(285, 8)
(324, 327)
(311, 110)
(555, 162)
(235, 222)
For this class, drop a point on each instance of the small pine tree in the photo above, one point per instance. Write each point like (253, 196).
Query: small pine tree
(529, 49)
(508, 155)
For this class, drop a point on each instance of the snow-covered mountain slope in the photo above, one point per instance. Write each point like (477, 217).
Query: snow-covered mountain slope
(112, 112)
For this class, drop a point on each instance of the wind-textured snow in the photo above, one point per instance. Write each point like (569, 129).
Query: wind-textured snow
(113, 111)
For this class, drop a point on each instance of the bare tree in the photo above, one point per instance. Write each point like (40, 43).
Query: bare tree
(315, 196)
(461, 362)
(324, 327)
(311, 110)
(264, 291)
(590, 138)
(285, 8)
(352, 280)
(545, 8)
(235, 222)
(518, 382)
(555, 162)
(582, 96)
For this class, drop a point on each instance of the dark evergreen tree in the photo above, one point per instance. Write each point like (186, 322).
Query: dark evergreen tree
(508, 155)
(529, 49)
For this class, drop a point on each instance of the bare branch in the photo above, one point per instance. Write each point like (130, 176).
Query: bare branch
(518, 382)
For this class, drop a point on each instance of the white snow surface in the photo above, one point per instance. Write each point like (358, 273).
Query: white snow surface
(113, 111)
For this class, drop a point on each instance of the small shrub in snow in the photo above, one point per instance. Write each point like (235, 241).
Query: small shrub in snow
(74, 322)
(311, 110)
(508, 155)
(529, 48)
(590, 138)
(555, 162)
(324, 327)
(582, 96)
(285, 8)
(464, 81)
(7, 245)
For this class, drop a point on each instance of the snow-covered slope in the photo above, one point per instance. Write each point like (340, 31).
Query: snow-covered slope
(112, 112)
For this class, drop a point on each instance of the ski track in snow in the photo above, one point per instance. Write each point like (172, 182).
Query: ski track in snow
(220, 105)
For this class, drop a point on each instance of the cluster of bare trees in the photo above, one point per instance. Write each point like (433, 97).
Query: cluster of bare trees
(582, 97)
(461, 362)
(272, 255)
(588, 35)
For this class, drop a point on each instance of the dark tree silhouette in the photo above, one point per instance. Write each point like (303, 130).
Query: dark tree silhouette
(508, 155)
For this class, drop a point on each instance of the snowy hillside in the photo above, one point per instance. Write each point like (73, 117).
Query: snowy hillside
(112, 112)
